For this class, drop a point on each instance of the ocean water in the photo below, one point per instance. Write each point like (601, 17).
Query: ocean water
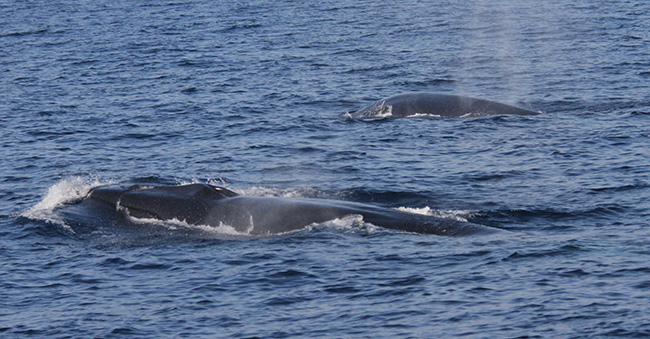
(252, 96)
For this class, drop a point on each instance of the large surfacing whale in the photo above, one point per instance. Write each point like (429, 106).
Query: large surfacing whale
(202, 204)
(435, 105)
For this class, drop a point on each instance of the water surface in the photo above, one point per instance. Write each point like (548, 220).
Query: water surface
(252, 96)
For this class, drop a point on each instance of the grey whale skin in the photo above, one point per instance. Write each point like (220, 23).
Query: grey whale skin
(434, 104)
(202, 204)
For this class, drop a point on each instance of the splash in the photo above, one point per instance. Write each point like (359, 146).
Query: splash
(63, 192)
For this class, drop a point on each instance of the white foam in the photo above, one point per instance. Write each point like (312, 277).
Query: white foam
(384, 112)
(424, 115)
(214, 182)
(460, 215)
(176, 224)
(423, 211)
(353, 222)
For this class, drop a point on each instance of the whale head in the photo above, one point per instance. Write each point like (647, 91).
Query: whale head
(185, 203)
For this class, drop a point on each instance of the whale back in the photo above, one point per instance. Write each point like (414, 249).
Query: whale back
(436, 105)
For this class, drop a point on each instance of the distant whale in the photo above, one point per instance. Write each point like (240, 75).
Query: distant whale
(436, 105)
(202, 204)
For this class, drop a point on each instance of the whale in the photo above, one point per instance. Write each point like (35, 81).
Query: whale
(435, 105)
(208, 205)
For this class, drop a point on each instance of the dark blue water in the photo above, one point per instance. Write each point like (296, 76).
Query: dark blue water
(252, 95)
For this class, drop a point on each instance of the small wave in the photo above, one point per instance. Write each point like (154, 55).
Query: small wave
(26, 33)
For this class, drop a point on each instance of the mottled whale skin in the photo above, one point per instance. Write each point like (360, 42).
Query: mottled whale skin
(202, 204)
(435, 105)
